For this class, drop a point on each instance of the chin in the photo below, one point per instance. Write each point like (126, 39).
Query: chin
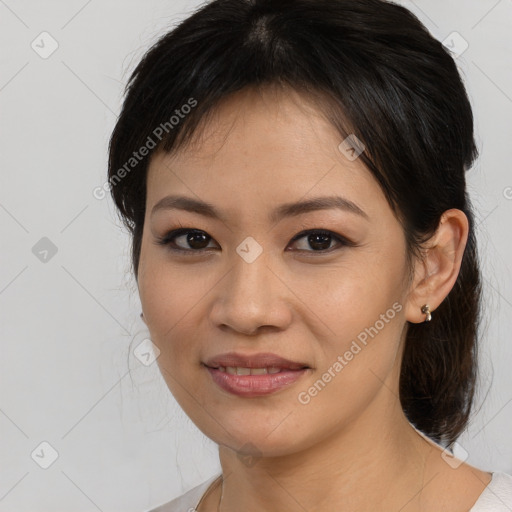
(255, 440)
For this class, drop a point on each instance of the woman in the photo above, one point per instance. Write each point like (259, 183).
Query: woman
(293, 177)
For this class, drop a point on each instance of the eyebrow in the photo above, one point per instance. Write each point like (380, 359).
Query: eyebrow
(285, 210)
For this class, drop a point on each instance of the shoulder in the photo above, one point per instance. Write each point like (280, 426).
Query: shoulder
(497, 496)
(188, 501)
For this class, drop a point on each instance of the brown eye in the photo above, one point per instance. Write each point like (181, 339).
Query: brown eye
(320, 240)
(190, 240)
(195, 240)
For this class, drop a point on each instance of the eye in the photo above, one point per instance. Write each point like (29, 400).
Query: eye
(195, 240)
(320, 240)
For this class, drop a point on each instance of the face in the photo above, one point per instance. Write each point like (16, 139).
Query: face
(324, 288)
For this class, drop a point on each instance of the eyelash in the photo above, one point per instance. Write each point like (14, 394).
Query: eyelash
(168, 240)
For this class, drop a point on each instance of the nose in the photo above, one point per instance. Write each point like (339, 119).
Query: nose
(251, 298)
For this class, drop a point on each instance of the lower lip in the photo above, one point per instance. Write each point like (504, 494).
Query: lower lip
(255, 385)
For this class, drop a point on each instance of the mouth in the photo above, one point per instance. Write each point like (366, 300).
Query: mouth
(241, 370)
(253, 362)
(254, 375)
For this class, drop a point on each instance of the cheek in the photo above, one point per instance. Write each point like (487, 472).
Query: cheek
(347, 298)
(359, 361)
(169, 298)
(361, 313)
(170, 303)
(167, 291)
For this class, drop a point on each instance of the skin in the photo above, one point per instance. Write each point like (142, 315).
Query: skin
(351, 447)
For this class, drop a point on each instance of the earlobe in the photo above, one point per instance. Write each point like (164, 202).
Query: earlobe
(420, 299)
(425, 309)
(437, 273)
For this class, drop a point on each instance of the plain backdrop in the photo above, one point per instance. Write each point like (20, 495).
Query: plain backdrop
(73, 396)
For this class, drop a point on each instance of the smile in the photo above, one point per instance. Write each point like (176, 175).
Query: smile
(254, 382)
(237, 370)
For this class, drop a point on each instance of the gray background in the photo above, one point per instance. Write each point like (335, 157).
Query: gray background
(70, 319)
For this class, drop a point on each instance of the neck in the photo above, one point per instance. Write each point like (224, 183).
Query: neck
(366, 465)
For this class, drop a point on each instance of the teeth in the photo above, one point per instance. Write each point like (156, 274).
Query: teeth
(258, 371)
(232, 370)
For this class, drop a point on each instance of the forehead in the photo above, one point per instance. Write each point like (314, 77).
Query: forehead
(275, 145)
(269, 118)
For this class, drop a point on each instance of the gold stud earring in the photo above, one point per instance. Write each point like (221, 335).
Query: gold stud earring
(425, 309)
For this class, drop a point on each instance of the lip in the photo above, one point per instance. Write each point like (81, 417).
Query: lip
(254, 385)
(261, 360)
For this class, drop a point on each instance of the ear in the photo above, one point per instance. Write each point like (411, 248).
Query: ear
(436, 273)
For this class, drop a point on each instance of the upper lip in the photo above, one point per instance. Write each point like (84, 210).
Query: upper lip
(261, 360)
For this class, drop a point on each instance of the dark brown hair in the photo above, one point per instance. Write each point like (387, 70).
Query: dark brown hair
(375, 71)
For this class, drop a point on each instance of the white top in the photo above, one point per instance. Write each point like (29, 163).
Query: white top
(496, 497)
